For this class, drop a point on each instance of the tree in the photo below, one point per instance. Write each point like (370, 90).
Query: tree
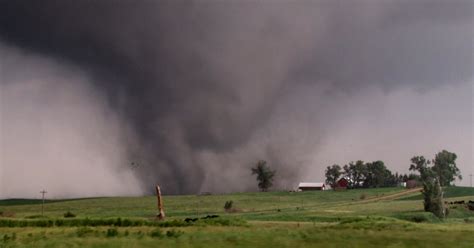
(420, 164)
(332, 174)
(445, 167)
(355, 172)
(377, 175)
(264, 175)
(432, 191)
(437, 204)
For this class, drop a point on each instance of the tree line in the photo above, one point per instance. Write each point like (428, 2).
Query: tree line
(360, 174)
(432, 175)
(375, 174)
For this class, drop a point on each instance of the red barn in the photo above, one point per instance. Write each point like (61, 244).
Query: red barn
(341, 184)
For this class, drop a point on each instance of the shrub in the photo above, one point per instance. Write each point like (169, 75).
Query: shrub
(83, 231)
(7, 238)
(111, 232)
(418, 217)
(173, 223)
(173, 233)
(139, 234)
(228, 205)
(157, 233)
(69, 214)
(34, 216)
(127, 222)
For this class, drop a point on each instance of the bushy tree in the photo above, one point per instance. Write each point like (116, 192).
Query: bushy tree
(421, 164)
(377, 175)
(432, 191)
(355, 172)
(332, 174)
(264, 175)
(445, 167)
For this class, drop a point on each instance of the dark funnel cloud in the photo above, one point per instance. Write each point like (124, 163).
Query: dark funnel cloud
(210, 87)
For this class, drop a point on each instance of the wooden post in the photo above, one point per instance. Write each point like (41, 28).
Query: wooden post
(161, 211)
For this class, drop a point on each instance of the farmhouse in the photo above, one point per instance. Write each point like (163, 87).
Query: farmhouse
(311, 186)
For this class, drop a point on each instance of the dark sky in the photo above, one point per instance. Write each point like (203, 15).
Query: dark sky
(195, 92)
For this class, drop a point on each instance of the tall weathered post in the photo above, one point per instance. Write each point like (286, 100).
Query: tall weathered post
(161, 211)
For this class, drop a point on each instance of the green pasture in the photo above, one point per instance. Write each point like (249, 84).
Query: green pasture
(352, 218)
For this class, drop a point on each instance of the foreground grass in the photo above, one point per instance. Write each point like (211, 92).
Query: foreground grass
(358, 233)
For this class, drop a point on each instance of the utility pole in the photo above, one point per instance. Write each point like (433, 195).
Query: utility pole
(42, 205)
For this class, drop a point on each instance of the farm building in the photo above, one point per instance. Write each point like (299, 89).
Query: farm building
(410, 184)
(311, 186)
(341, 184)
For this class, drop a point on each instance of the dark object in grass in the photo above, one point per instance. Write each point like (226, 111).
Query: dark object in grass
(210, 217)
(34, 216)
(470, 205)
(228, 206)
(7, 238)
(111, 232)
(69, 214)
(173, 233)
(188, 220)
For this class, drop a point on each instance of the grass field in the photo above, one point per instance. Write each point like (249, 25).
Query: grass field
(386, 217)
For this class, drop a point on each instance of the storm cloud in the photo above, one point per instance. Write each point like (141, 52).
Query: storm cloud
(198, 91)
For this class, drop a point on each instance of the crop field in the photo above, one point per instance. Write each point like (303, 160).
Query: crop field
(384, 217)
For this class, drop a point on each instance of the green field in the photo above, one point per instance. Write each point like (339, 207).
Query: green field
(385, 217)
